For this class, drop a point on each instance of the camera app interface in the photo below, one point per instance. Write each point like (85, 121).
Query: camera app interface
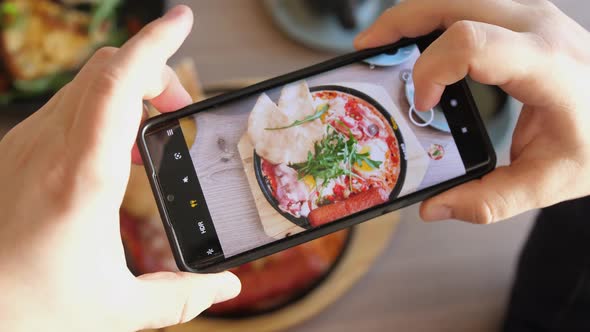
(306, 154)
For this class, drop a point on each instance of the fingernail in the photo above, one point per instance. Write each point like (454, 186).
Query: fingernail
(440, 212)
(175, 12)
(229, 287)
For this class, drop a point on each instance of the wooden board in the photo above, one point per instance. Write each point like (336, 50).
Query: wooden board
(275, 225)
(368, 242)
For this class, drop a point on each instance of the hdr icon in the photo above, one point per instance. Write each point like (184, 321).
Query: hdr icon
(202, 227)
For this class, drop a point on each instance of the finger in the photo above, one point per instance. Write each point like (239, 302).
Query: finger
(414, 18)
(174, 96)
(136, 71)
(150, 49)
(136, 158)
(504, 193)
(168, 298)
(486, 53)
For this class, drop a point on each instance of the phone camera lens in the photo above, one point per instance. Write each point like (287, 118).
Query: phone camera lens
(170, 198)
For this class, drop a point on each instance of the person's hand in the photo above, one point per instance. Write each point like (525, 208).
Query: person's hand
(536, 54)
(63, 174)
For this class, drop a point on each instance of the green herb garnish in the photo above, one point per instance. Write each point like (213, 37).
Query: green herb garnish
(333, 156)
(318, 114)
(11, 16)
(102, 12)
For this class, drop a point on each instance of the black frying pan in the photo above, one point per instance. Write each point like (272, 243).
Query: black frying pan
(302, 221)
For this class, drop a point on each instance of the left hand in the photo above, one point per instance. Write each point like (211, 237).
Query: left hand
(64, 172)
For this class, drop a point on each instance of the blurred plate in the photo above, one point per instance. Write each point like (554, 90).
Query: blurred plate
(323, 32)
(398, 57)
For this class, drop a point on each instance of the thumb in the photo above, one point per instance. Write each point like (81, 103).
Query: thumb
(169, 298)
(504, 193)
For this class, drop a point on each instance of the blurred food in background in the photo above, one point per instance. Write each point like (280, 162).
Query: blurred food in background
(44, 42)
(272, 282)
(268, 283)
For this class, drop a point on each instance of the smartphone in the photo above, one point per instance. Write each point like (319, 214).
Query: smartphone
(249, 173)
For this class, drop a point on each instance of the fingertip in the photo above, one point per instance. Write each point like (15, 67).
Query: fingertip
(435, 212)
(374, 37)
(427, 96)
(229, 287)
(179, 12)
(438, 213)
(174, 96)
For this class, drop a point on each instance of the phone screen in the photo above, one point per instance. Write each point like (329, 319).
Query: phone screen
(300, 156)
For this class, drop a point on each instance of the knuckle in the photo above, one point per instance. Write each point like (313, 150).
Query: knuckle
(483, 213)
(467, 37)
(493, 207)
(103, 54)
(103, 76)
(106, 81)
(59, 187)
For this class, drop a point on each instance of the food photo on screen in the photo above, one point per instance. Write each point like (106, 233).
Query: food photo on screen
(317, 150)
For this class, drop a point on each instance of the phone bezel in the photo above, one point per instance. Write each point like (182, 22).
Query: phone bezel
(279, 245)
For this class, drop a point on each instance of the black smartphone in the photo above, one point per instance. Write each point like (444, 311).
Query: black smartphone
(249, 173)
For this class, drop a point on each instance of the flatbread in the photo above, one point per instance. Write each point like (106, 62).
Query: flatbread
(289, 145)
(296, 101)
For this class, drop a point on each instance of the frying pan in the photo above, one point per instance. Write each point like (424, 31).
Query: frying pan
(302, 221)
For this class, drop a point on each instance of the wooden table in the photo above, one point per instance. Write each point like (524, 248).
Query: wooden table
(441, 277)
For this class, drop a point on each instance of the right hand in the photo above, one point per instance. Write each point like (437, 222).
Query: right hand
(535, 53)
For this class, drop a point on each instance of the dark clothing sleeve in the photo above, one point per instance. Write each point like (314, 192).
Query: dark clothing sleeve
(551, 291)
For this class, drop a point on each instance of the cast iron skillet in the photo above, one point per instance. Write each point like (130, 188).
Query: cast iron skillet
(302, 221)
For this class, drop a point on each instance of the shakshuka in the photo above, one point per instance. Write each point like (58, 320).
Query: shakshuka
(354, 166)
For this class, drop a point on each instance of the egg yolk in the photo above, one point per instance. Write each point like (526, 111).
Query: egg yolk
(364, 166)
(309, 181)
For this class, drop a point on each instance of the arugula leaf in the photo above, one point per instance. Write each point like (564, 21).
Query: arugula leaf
(318, 114)
(334, 156)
